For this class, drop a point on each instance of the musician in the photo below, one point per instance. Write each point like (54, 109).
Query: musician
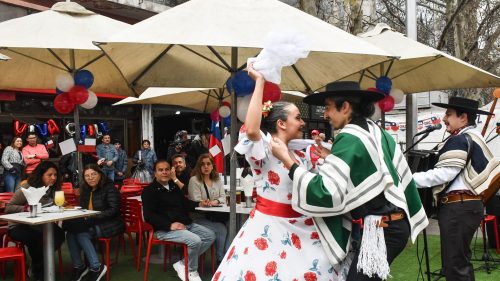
(461, 173)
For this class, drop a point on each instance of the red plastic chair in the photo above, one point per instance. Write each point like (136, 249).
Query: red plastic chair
(132, 214)
(492, 219)
(67, 187)
(106, 254)
(153, 241)
(14, 254)
(131, 181)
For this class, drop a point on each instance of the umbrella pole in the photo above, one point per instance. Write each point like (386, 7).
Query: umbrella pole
(234, 160)
(76, 117)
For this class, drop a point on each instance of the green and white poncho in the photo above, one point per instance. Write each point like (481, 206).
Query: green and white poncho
(362, 165)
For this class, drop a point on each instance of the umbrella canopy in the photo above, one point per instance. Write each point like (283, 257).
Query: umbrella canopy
(202, 99)
(4, 57)
(193, 43)
(420, 68)
(41, 47)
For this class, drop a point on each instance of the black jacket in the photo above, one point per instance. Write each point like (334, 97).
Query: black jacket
(162, 207)
(107, 200)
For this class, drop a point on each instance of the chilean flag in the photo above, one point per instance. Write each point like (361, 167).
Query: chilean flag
(215, 147)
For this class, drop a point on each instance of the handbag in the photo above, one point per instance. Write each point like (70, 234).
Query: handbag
(18, 168)
(78, 225)
(215, 216)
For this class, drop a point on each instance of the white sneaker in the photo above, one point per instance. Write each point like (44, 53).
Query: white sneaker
(194, 276)
(180, 269)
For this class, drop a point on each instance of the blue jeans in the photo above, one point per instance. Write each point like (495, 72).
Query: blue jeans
(110, 174)
(83, 241)
(11, 181)
(220, 230)
(198, 239)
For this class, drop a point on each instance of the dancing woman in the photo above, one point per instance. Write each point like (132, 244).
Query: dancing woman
(276, 243)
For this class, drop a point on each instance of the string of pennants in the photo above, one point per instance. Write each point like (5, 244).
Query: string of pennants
(401, 126)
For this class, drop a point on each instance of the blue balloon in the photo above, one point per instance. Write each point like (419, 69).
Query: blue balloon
(58, 92)
(226, 122)
(42, 130)
(84, 78)
(242, 83)
(83, 133)
(384, 84)
(229, 84)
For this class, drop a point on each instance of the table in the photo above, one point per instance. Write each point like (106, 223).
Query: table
(240, 209)
(46, 220)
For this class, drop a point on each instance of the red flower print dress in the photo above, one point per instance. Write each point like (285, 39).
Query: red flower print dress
(272, 247)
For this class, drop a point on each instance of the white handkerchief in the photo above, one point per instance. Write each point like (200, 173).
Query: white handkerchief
(247, 183)
(33, 195)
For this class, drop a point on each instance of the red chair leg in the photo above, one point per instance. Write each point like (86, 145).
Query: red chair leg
(148, 255)
(107, 260)
(186, 259)
(138, 258)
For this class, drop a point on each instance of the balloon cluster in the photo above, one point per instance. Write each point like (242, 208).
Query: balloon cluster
(224, 113)
(92, 130)
(45, 130)
(74, 91)
(392, 96)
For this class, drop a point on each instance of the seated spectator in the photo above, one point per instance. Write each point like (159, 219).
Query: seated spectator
(181, 173)
(45, 174)
(13, 163)
(69, 166)
(167, 209)
(145, 157)
(205, 184)
(97, 193)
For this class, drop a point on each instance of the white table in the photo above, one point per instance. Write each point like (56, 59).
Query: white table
(46, 220)
(240, 209)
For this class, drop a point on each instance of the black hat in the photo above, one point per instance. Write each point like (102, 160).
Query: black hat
(343, 89)
(462, 104)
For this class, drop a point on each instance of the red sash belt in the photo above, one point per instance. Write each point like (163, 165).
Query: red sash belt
(276, 209)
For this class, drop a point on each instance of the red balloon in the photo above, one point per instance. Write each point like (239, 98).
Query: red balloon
(386, 104)
(226, 103)
(272, 92)
(19, 129)
(91, 130)
(62, 104)
(52, 126)
(215, 115)
(78, 94)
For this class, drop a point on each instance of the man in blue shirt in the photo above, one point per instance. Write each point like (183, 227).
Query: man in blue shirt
(108, 156)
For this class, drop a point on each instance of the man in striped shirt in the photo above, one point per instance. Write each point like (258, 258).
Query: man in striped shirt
(464, 169)
(364, 176)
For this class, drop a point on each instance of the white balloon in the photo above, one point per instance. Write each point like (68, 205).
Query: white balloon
(377, 114)
(64, 82)
(91, 101)
(397, 94)
(241, 110)
(224, 111)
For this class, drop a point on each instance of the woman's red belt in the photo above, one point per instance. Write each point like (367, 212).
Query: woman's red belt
(276, 209)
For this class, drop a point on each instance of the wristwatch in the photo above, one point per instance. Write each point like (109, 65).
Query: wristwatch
(176, 180)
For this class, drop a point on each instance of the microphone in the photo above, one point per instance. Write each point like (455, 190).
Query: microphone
(430, 129)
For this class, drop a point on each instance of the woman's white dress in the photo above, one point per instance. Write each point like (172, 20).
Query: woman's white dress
(270, 247)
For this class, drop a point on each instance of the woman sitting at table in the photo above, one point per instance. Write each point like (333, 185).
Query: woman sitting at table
(206, 184)
(99, 194)
(45, 174)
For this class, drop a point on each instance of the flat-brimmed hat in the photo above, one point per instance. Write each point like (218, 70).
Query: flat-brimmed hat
(343, 89)
(462, 104)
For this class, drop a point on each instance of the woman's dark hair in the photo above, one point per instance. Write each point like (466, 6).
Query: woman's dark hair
(14, 140)
(361, 108)
(36, 177)
(197, 168)
(146, 141)
(278, 112)
(103, 179)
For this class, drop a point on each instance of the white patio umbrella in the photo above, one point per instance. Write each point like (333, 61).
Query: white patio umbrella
(59, 40)
(419, 67)
(202, 99)
(202, 42)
